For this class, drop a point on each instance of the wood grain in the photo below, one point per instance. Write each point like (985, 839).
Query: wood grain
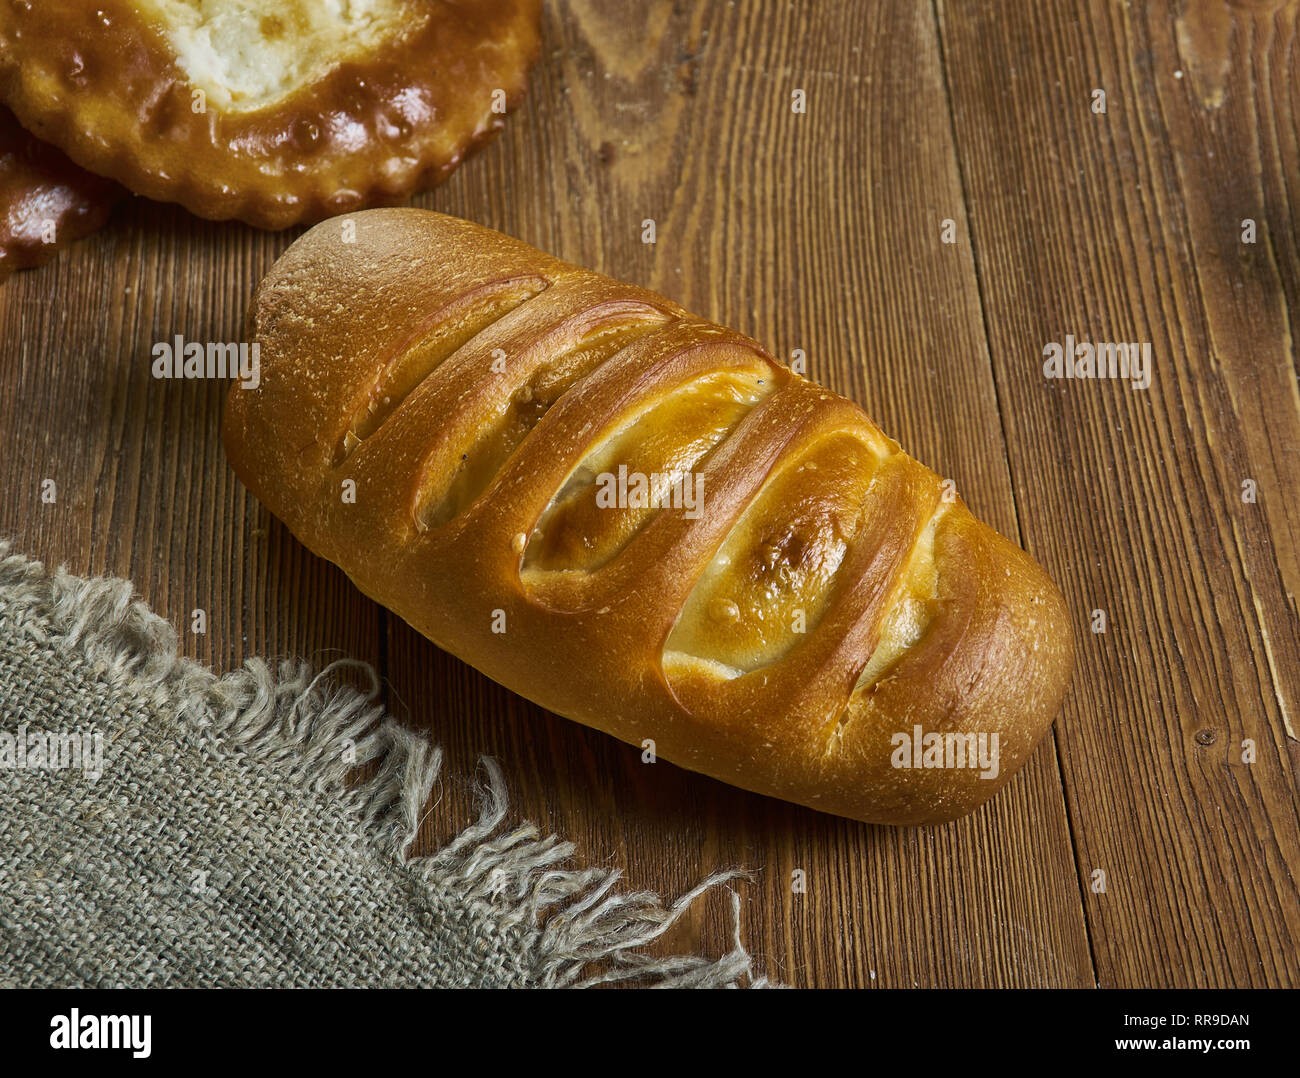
(823, 231)
(1126, 226)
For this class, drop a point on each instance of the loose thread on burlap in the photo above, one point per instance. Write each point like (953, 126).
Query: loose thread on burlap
(584, 931)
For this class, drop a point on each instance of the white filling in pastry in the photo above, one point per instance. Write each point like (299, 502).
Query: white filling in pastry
(247, 54)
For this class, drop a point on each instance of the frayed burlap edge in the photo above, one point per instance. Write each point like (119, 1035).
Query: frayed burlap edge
(581, 930)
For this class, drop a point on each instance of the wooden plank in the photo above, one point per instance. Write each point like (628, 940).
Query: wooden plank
(142, 486)
(1127, 226)
(818, 231)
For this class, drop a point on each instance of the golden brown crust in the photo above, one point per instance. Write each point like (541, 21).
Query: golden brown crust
(102, 81)
(46, 202)
(677, 627)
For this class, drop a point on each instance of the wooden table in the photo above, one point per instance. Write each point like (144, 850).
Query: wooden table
(1136, 847)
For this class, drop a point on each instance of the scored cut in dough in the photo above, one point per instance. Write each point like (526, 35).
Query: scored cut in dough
(272, 112)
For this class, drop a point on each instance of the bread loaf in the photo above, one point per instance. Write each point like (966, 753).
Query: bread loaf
(642, 521)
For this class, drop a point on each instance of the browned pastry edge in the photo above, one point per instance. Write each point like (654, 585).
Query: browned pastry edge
(101, 84)
(334, 319)
(38, 184)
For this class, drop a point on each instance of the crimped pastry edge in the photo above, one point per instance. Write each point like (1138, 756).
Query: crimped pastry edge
(65, 110)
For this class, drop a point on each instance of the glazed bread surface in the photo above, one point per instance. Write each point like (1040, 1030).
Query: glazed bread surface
(642, 521)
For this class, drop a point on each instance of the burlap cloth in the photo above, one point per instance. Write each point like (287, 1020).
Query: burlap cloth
(218, 843)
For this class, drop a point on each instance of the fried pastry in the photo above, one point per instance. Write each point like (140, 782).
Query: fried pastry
(270, 112)
(46, 202)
